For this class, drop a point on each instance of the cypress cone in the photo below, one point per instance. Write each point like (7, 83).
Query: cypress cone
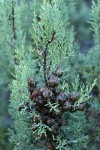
(74, 96)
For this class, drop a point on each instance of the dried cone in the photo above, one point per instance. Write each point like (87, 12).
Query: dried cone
(53, 81)
(35, 94)
(32, 82)
(67, 106)
(61, 98)
(57, 91)
(73, 97)
(47, 94)
(40, 100)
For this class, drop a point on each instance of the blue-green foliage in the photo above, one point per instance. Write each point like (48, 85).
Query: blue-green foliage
(59, 52)
(34, 26)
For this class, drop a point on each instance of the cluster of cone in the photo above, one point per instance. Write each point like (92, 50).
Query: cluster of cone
(50, 103)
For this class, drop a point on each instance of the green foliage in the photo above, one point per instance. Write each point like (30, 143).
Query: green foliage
(19, 96)
(8, 44)
(77, 13)
(92, 63)
(92, 67)
(61, 48)
(88, 67)
(49, 34)
(25, 35)
(72, 139)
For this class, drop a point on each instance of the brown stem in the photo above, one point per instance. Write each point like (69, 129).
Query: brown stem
(13, 21)
(44, 66)
(50, 63)
(45, 57)
(14, 29)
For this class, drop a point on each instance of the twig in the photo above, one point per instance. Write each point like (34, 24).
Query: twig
(13, 21)
(50, 63)
(45, 57)
(14, 29)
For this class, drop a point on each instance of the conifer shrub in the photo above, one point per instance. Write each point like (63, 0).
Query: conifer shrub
(47, 109)
(49, 103)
